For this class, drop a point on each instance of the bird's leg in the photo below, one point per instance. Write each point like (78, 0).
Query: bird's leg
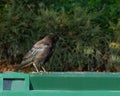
(43, 69)
(35, 67)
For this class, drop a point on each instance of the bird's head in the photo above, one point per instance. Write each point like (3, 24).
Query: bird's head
(52, 37)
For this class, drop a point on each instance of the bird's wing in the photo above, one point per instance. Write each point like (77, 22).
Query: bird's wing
(34, 51)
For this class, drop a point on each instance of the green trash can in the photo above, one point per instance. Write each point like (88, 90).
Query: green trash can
(60, 84)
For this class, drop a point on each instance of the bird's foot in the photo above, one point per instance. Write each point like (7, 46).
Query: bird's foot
(34, 72)
(41, 71)
(35, 67)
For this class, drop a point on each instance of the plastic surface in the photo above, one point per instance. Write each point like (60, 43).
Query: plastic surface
(75, 81)
(60, 84)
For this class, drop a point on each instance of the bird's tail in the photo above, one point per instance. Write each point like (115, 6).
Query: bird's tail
(22, 65)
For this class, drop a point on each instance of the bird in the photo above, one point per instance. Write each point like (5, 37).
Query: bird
(40, 53)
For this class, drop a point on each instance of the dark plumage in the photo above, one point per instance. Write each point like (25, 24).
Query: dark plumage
(40, 52)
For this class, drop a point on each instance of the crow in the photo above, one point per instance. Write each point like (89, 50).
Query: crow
(40, 53)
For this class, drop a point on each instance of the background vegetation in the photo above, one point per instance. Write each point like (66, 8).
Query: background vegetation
(90, 30)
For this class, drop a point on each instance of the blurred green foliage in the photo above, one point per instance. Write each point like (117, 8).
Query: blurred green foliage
(86, 26)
